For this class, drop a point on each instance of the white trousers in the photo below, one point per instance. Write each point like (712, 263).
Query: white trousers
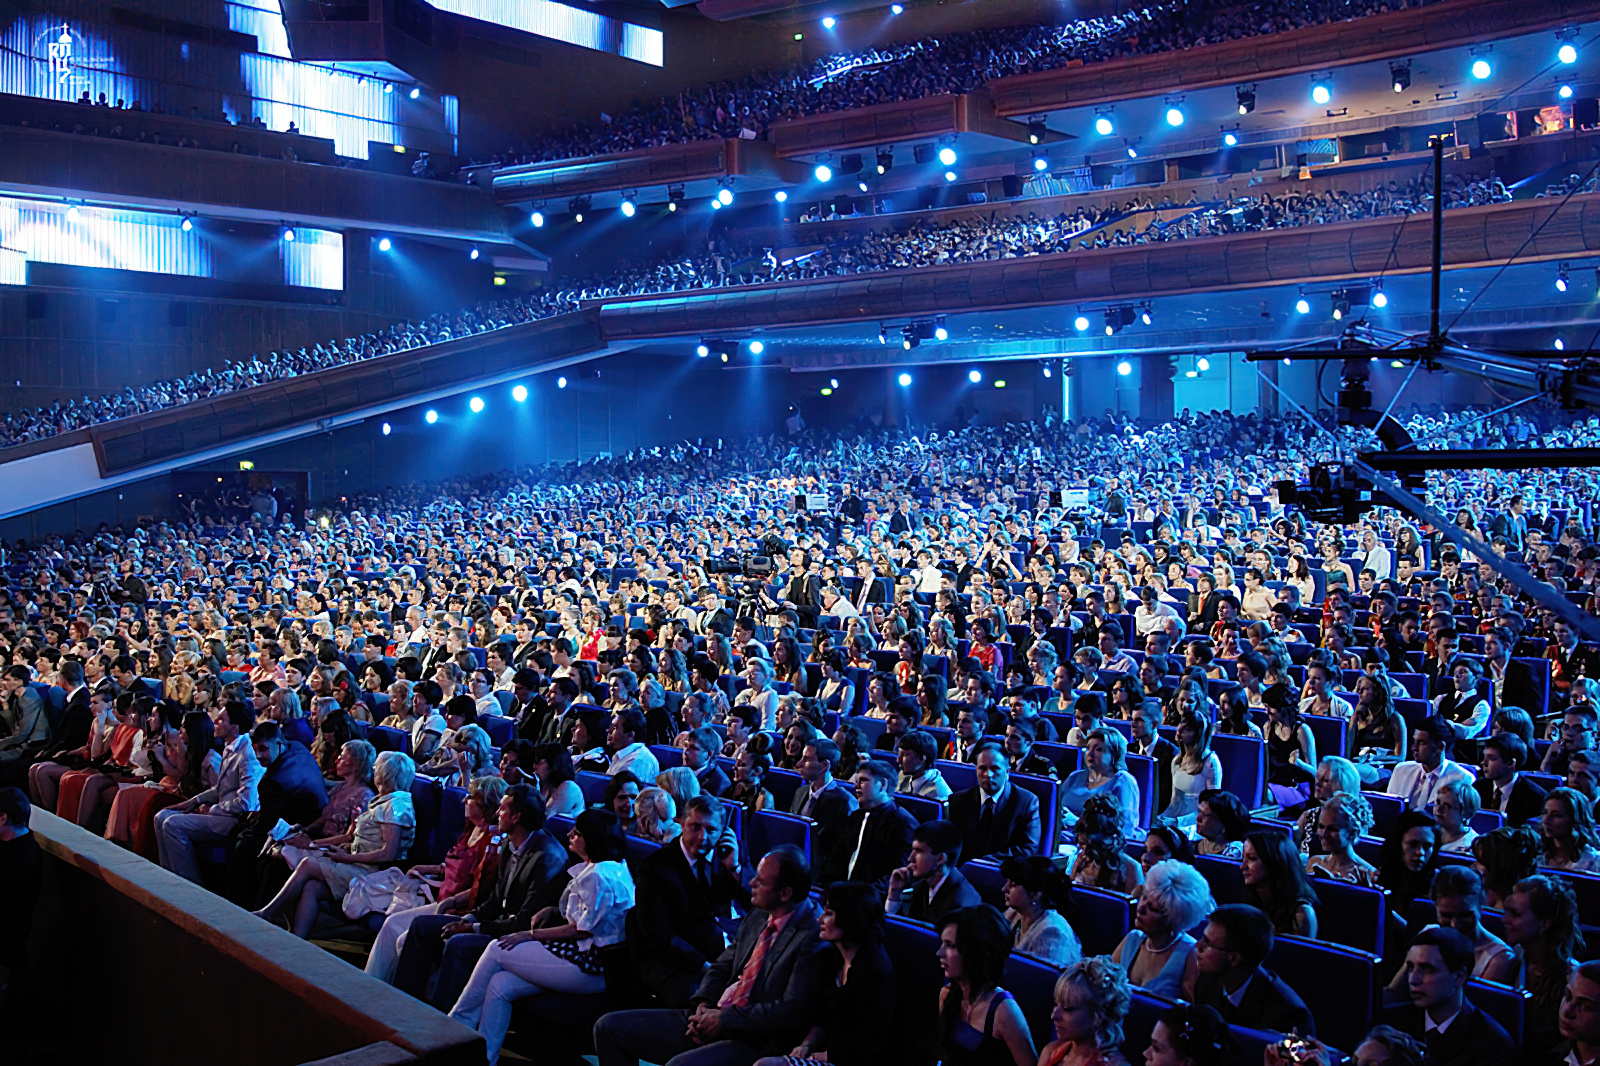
(502, 977)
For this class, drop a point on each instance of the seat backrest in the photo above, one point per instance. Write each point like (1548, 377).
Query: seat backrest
(768, 829)
(958, 775)
(1244, 767)
(1506, 1005)
(667, 756)
(1350, 915)
(783, 784)
(504, 697)
(387, 738)
(1047, 792)
(1033, 983)
(593, 786)
(1064, 757)
(1386, 810)
(1101, 918)
(1327, 733)
(1222, 874)
(452, 820)
(1335, 982)
(499, 728)
(1143, 1013)
(425, 801)
(987, 879)
(913, 948)
(1143, 769)
(922, 808)
(872, 727)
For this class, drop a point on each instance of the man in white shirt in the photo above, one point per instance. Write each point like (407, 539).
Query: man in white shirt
(1375, 556)
(1151, 614)
(1462, 706)
(208, 817)
(930, 578)
(627, 751)
(837, 604)
(1416, 780)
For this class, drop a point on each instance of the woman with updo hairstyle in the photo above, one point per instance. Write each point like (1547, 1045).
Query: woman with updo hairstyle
(1037, 894)
(1092, 998)
(1341, 821)
(1191, 1035)
(1101, 860)
(1503, 857)
(1540, 922)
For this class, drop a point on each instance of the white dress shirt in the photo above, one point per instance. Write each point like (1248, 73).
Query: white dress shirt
(1415, 784)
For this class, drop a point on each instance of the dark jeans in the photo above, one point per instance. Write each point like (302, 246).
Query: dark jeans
(623, 1037)
(425, 950)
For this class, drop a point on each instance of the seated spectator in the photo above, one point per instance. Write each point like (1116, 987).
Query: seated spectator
(529, 877)
(1438, 965)
(916, 755)
(621, 798)
(750, 769)
(189, 766)
(1092, 997)
(1104, 773)
(858, 984)
(1018, 743)
(1453, 807)
(45, 776)
(1458, 904)
(556, 781)
(1225, 973)
(208, 817)
(1196, 769)
(625, 742)
(561, 950)
(1165, 842)
(936, 886)
(1501, 785)
(21, 872)
(1540, 923)
(1036, 895)
(1580, 1015)
(978, 1020)
(822, 797)
(1416, 781)
(1571, 841)
(1156, 950)
(875, 838)
(656, 816)
(995, 816)
(467, 873)
(288, 793)
(1101, 860)
(1192, 1035)
(1505, 856)
(1341, 821)
(381, 834)
(700, 748)
(1275, 882)
(756, 994)
(1221, 823)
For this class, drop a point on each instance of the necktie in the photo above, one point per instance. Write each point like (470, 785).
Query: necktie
(1498, 798)
(986, 818)
(738, 993)
(702, 874)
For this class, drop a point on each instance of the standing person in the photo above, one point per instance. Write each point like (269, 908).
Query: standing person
(21, 872)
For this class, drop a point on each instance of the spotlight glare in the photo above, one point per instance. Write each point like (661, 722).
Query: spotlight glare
(756, 347)
(1080, 323)
(1174, 116)
(388, 88)
(431, 417)
(829, 23)
(781, 196)
(823, 172)
(1133, 153)
(833, 383)
(1247, 100)
(1561, 345)
(1202, 364)
(1047, 371)
(1321, 94)
(578, 217)
(1041, 163)
(1565, 92)
(1379, 299)
(476, 405)
(974, 376)
(1567, 54)
(702, 350)
(949, 175)
(1124, 368)
(288, 233)
(1480, 69)
(1396, 364)
(905, 380)
(188, 224)
(538, 220)
(725, 197)
(415, 92)
(947, 156)
(628, 209)
(940, 333)
(672, 206)
(1146, 317)
(561, 383)
(1110, 330)
(1229, 139)
(1337, 314)
(827, 392)
(1191, 374)
(1103, 126)
(896, 9)
(862, 186)
(474, 254)
(724, 357)
(519, 393)
(1302, 306)
(387, 429)
(716, 205)
(385, 244)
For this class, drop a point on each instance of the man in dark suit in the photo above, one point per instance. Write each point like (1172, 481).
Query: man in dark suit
(759, 994)
(531, 876)
(558, 699)
(682, 889)
(73, 731)
(995, 817)
(901, 520)
(871, 590)
(700, 753)
(292, 789)
(875, 839)
(1501, 785)
(1438, 965)
(1232, 981)
(1513, 681)
(936, 886)
(1145, 740)
(824, 800)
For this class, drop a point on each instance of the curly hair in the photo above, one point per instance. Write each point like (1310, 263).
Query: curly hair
(1102, 985)
(1354, 808)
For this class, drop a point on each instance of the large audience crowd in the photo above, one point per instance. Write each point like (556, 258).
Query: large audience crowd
(954, 63)
(724, 263)
(1004, 680)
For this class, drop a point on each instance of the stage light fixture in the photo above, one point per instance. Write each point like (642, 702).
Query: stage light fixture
(288, 231)
(1174, 116)
(1561, 345)
(1047, 370)
(940, 331)
(1036, 131)
(1562, 280)
(885, 160)
(1202, 364)
(861, 186)
(1081, 323)
(829, 23)
(628, 209)
(537, 218)
(1230, 139)
(949, 175)
(1380, 300)
(781, 196)
(519, 393)
(1041, 161)
(1133, 153)
(947, 156)
(388, 88)
(476, 405)
(1104, 126)
(1302, 306)
(473, 255)
(1567, 54)
(974, 376)
(823, 172)
(833, 383)
(1481, 69)
(384, 244)
(415, 92)
(1565, 92)
(1400, 77)
(757, 347)
(431, 417)
(1124, 368)
(387, 429)
(1145, 315)
(1247, 100)
(188, 224)
(702, 349)
(725, 196)
(1321, 93)
(561, 383)
(905, 381)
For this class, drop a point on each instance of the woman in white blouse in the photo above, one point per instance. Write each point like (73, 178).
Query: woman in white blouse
(1034, 891)
(560, 953)
(1195, 769)
(760, 694)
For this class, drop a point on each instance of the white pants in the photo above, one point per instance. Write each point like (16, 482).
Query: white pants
(391, 939)
(502, 977)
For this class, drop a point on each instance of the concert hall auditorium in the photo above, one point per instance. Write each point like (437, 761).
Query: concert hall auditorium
(800, 532)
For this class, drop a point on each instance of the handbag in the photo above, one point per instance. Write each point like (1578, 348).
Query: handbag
(385, 891)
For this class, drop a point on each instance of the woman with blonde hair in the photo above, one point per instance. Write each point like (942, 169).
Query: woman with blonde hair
(1092, 998)
(655, 816)
(1342, 820)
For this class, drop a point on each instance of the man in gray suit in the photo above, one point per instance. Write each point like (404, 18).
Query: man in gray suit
(755, 1000)
(22, 713)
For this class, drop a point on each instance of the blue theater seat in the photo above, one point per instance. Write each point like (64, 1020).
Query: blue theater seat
(768, 829)
(1506, 1005)
(922, 808)
(500, 730)
(1350, 915)
(1244, 767)
(667, 756)
(1033, 982)
(1101, 917)
(1336, 982)
(912, 948)
(783, 784)
(387, 738)
(1227, 883)
(593, 786)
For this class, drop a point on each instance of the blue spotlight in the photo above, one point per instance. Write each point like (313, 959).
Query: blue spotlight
(1103, 126)
(905, 381)
(1230, 139)
(1481, 69)
(1124, 368)
(1302, 306)
(947, 156)
(829, 23)
(781, 196)
(628, 209)
(538, 220)
(1567, 54)
(823, 172)
(415, 92)
(1565, 92)
(431, 417)
(974, 376)
(384, 245)
(561, 383)
(1080, 323)
(387, 429)
(388, 88)
(288, 233)
(725, 197)
(476, 405)
(1174, 116)
(756, 347)
(188, 224)
(896, 9)
(949, 175)
(519, 393)
(473, 254)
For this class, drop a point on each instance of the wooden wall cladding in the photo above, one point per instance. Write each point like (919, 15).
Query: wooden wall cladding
(868, 127)
(671, 164)
(1398, 33)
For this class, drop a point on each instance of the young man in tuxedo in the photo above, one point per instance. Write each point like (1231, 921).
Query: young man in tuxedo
(1438, 965)
(1501, 785)
(876, 838)
(1230, 979)
(936, 886)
